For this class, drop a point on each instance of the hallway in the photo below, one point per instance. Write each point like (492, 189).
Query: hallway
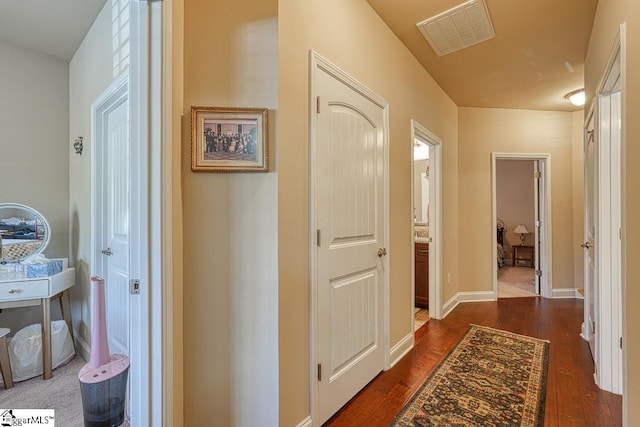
(572, 397)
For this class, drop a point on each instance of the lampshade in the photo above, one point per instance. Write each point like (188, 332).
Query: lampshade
(521, 229)
(577, 97)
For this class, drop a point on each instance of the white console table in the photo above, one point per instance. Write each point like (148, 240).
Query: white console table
(16, 290)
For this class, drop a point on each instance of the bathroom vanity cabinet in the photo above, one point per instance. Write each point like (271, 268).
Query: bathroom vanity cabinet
(422, 275)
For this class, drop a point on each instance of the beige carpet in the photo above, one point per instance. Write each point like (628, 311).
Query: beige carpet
(61, 393)
(514, 282)
(420, 317)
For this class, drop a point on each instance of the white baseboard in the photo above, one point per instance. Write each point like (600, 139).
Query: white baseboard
(583, 332)
(399, 350)
(81, 346)
(564, 293)
(307, 422)
(448, 306)
(476, 296)
(466, 297)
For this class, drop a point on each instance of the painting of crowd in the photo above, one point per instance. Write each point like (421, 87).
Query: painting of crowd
(230, 141)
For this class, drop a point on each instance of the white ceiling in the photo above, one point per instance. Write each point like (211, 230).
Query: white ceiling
(53, 27)
(536, 57)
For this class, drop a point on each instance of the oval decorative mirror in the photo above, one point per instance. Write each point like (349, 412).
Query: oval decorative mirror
(23, 232)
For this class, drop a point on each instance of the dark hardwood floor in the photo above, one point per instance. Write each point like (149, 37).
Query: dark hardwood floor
(572, 397)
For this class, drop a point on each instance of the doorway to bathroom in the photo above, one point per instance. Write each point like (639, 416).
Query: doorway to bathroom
(426, 242)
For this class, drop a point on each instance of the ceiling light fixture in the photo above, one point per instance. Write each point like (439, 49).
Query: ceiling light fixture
(576, 97)
(420, 150)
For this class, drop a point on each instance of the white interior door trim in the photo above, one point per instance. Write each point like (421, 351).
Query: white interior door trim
(546, 280)
(317, 62)
(435, 215)
(163, 178)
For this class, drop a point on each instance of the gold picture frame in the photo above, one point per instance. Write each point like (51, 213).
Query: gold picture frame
(229, 139)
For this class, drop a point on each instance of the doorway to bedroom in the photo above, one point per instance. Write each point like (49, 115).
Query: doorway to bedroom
(520, 207)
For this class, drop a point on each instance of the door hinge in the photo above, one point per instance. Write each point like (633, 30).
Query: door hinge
(539, 273)
(319, 372)
(620, 233)
(134, 286)
(537, 174)
(538, 223)
(620, 343)
(318, 237)
(318, 105)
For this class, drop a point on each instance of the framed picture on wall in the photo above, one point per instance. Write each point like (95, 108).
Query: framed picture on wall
(229, 139)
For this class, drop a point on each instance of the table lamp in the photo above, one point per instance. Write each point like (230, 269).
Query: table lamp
(522, 230)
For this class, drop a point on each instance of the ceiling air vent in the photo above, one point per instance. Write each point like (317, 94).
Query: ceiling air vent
(462, 26)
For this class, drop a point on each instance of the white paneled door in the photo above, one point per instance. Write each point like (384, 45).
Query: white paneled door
(117, 227)
(112, 212)
(539, 210)
(590, 205)
(351, 254)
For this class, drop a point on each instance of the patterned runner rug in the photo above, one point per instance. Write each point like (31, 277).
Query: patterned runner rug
(491, 378)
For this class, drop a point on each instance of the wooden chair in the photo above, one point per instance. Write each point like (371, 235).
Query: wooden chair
(5, 365)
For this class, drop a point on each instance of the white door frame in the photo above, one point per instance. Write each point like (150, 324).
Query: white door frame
(155, 167)
(609, 177)
(546, 282)
(152, 175)
(435, 229)
(316, 62)
(159, 171)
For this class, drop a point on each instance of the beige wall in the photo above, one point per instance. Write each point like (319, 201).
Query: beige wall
(609, 15)
(578, 198)
(173, 68)
(34, 148)
(90, 73)
(352, 36)
(515, 199)
(230, 224)
(483, 131)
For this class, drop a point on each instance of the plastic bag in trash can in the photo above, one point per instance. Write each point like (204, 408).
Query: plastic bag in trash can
(25, 349)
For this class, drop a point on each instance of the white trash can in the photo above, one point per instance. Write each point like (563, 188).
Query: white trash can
(25, 349)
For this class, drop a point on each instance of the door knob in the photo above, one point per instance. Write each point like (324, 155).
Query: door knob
(586, 245)
(107, 252)
(382, 252)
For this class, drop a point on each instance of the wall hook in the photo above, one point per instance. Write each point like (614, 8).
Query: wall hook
(77, 145)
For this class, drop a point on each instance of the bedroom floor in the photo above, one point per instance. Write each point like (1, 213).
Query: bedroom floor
(515, 282)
